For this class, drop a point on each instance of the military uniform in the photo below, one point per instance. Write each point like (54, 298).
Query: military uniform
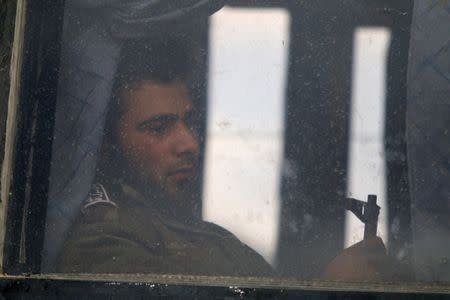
(128, 234)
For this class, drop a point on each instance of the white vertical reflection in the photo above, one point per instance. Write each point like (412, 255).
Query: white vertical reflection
(366, 157)
(247, 74)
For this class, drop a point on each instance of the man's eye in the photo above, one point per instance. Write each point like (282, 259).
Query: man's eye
(161, 129)
(156, 128)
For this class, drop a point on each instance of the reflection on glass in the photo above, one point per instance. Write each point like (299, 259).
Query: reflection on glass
(183, 134)
(245, 123)
(366, 154)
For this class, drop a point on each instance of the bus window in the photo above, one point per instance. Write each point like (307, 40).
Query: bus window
(233, 139)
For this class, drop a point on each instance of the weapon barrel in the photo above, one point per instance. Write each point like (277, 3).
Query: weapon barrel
(371, 217)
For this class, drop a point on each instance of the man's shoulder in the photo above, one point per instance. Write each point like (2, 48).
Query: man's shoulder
(106, 235)
(219, 230)
(109, 214)
(99, 207)
(114, 208)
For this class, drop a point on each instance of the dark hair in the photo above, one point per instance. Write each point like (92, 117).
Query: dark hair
(162, 61)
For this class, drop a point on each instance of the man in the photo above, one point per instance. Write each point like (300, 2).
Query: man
(141, 215)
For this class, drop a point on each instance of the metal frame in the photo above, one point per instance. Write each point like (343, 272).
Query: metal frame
(18, 140)
(11, 125)
(29, 139)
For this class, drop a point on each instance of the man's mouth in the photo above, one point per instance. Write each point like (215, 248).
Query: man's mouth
(182, 173)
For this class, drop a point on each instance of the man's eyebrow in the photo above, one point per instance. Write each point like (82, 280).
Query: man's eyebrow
(158, 118)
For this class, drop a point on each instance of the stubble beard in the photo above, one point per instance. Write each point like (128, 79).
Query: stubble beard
(180, 198)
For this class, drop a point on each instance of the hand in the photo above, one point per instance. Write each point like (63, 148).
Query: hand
(364, 261)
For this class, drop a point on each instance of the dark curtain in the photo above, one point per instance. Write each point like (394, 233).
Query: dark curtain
(428, 138)
(141, 18)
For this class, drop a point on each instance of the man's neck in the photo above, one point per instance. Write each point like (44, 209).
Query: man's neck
(182, 205)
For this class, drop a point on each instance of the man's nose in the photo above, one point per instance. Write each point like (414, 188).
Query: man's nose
(186, 141)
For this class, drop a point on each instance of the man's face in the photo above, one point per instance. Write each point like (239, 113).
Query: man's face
(156, 136)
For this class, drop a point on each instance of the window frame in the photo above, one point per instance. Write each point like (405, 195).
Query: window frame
(29, 138)
(32, 99)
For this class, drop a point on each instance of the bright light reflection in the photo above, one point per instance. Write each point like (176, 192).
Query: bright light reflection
(367, 158)
(247, 80)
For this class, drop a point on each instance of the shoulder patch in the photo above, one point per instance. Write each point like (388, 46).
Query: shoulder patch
(97, 195)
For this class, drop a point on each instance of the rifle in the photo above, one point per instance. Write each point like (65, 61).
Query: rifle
(367, 212)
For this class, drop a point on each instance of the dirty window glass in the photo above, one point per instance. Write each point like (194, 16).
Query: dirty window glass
(296, 139)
